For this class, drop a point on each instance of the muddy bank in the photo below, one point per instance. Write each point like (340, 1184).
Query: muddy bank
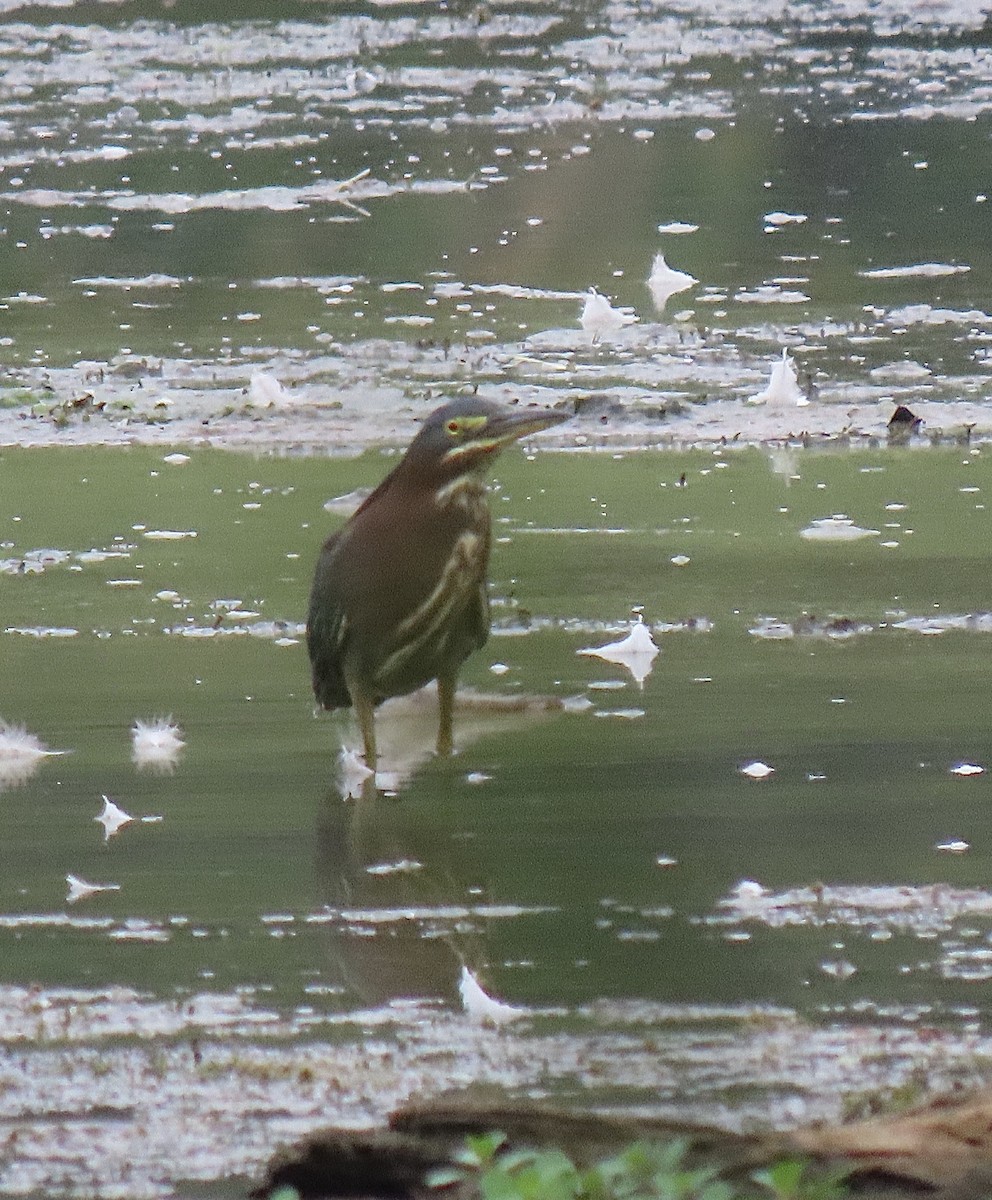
(374, 396)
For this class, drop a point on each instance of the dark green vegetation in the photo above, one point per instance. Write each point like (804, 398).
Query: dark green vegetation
(641, 1171)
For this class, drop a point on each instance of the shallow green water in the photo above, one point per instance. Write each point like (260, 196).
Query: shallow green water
(243, 880)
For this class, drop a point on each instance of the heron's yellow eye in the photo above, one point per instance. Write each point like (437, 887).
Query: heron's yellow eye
(464, 427)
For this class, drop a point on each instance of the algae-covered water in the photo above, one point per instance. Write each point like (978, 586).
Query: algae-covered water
(241, 255)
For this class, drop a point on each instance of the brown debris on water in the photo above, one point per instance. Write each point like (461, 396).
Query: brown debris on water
(903, 424)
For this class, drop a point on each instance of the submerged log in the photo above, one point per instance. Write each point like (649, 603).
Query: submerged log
(584, 1136)
(338, 1162)
(942, 1149)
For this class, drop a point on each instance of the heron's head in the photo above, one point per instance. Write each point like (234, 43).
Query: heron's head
(465, 435)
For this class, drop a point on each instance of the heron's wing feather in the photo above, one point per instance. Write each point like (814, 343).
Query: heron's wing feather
(482, 618)
(327, 629)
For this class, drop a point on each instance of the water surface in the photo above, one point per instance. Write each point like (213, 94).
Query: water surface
(235, 255)
(596, 853)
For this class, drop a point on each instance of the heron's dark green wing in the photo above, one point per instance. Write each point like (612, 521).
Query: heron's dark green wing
(480, 614)
(327, 630)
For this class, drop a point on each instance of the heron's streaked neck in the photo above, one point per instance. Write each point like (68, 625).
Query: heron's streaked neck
(466, 489)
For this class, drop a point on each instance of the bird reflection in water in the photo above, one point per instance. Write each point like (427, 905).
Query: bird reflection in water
(405, 727)
(406, 915)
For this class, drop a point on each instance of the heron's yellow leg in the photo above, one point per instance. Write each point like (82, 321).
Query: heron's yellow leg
(446, 716)
(365, 712)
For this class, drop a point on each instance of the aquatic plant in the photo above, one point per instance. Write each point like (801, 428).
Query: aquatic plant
(792, 1179)
(641, 1171)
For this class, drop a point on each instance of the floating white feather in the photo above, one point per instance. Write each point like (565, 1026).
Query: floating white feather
(637, 652)
(481, 1007)
(757, 770)
(664, 281)
(783, 386)
(156, 744)
(599, 316)
(352, 774)
(79, 889)
(113, 819)
(20, 754)
(265, 391)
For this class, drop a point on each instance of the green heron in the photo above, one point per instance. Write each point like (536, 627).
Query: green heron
(399, 594)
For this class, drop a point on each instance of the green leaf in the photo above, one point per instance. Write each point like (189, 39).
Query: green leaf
(480, 1149)
(497, 1184)
(718, 1190)
(442, 1177)
(513, 1160)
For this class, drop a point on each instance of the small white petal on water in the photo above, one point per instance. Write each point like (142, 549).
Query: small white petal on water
(749, 889)
(784, 218)
(112, 818)
(783, 386)
(79, 889)
(636, 652)
(929, 270)
(405, 866)
(835, 529)
(176, 460)
(772, 630)
(841, 969)
(678, 227)
(156, 743)
(680, 560)
(481, 1007)
(499, 668)
(665, 860)
(967, 769)
(954, 846)
(477, 777)
(757, 770)
(168, 535)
